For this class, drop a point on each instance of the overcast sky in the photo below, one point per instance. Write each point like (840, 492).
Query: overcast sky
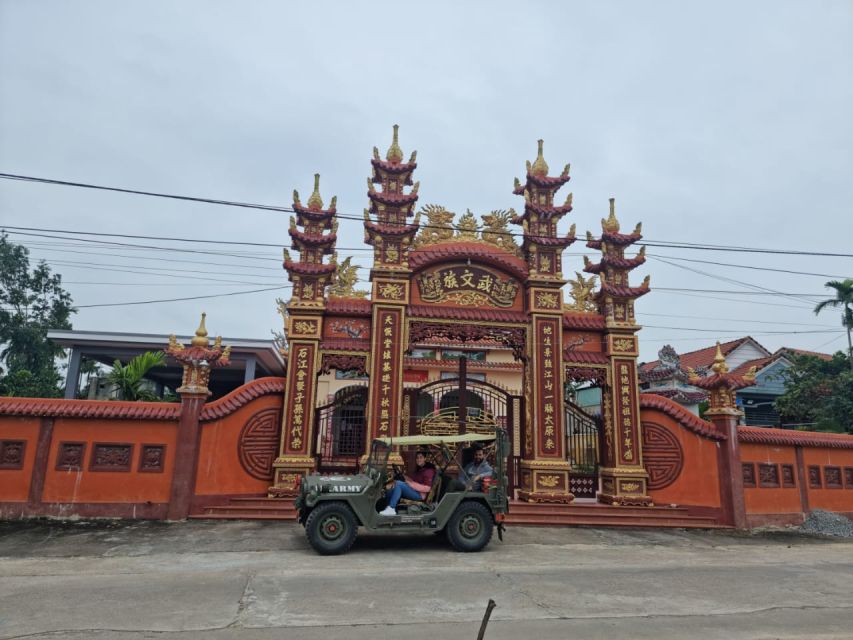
(718, 122)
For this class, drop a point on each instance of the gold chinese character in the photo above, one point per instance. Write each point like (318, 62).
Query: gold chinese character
(467, 279)
(450, 280)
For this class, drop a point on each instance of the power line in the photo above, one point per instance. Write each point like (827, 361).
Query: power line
(215, 295)
(248, 205)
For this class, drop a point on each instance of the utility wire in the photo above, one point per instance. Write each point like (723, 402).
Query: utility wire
(248, 205)
(138, 302)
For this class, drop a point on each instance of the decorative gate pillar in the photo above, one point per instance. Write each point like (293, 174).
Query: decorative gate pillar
(544, 469)
(304, 328)
(624, 479)
(723, 412)
(390, 235)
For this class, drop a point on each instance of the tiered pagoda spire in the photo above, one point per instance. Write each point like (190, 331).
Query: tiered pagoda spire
(390, 234)
(309, 274)
(542, 248)
(616, 297)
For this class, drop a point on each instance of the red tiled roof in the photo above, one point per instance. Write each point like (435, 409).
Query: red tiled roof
(427, 255)
(679, 395)
(467, 313)
(622, 239)
(344, 344)
(547, 241)
(764, 435)
(577, 320)
(681, 415)
(314, 214)
(702, 357)
(758, 363)
(108, 409)
(394, 167)
(309, 268)
(545, 211)
(393, 199)
(802, 352)
(242, 396)
(391, 229)
(622, 263)
(621, 291)
(314, 239)
(584, 357)
(348, 306)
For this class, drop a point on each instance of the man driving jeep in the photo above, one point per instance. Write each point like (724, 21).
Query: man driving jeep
(414, 487)
(477, 469)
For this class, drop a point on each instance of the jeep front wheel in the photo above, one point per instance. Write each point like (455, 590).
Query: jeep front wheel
(470, 527)
(331, 528)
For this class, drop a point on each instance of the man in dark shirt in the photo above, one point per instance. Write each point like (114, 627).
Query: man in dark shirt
(414, 487)
(477, 469)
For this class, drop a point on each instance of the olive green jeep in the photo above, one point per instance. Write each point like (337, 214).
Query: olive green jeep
(331, 508)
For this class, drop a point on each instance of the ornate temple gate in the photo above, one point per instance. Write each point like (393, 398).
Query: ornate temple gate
(457, 405)
(340, 429)
(583, 436)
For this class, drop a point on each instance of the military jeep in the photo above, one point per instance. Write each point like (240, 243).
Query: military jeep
(331, 508)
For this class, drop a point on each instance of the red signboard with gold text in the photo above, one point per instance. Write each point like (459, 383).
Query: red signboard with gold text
(549, 388)
(299, 413)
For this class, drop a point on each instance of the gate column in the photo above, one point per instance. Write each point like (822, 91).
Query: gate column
(304, 328)
(545, 468)
(624, 479)
(390, 235)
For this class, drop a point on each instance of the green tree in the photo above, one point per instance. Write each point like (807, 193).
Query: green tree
(818, 392)
(128, 379)
(844, 299)
(31, 303)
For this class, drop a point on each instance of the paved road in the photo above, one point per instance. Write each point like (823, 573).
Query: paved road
(260, 580)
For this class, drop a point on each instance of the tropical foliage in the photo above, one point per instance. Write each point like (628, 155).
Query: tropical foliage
(818, 393)
(31, 303)
(129, 380)
(844, 300)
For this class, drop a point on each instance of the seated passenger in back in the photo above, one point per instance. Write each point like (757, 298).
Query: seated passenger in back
(477, 469)
(414, 487)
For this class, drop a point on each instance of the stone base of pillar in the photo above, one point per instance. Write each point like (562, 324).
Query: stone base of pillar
(625, 486)
(545, 481)
(287, 473)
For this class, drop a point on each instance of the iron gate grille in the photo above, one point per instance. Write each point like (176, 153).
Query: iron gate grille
(341, 429)
(583, 433)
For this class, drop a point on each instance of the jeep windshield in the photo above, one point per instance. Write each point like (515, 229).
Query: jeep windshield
(379, 452)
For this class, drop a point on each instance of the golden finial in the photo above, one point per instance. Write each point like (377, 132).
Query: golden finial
(586, 261)
(642, 253)
(572, 230)
(540, 167)
(174, 345)
(719, 365)
(335, 225)
(370, 187)
(376, 154)
(417, 220)
(292, 222)
(414, 157)
(527, 196)
(296, 197)
(638, 229)
(749, 376)
(611, 225)
(646, 281)
(200, 339)
(285, 254)
(589, 236)
(366, 215)
(395, 153)
(334, 203)
(315, 201)
(416, 186)
(566, 170)
(692, 376)
(516, 183)
(226, 353)
(569, 199)
(217, 343)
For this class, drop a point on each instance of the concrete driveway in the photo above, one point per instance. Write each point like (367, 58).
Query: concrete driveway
(233, 579)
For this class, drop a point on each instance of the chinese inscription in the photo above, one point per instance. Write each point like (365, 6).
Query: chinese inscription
(547, 333)
(450, 282)
(301, 394)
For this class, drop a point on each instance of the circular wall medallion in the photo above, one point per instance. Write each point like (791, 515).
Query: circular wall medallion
(662, 455)
(258, 443)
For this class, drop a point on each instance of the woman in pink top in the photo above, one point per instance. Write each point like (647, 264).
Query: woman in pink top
(415, 487)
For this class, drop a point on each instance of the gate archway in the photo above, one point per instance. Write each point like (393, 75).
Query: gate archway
(341, 429)
(453, 404)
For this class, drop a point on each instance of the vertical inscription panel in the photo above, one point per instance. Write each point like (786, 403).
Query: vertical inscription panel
(299, 404)
(547, 366)
(625, 412)
(386, 372)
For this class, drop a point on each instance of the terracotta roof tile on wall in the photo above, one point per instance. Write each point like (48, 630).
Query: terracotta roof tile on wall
(680, 395)
(576, 320)
(348, 306)
(764, 435)
(242, 396)
(344, 344)
(681, 415)
(584, 357)
(467, 313)
(107, 409)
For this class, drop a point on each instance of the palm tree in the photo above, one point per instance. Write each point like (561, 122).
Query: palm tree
(127, 379)
(844, 299)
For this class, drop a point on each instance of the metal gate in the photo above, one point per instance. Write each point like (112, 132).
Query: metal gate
(340, 429)
(583, 444)
(457, 405)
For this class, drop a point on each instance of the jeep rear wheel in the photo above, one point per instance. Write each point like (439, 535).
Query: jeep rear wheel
(470, 527)
(331, 528)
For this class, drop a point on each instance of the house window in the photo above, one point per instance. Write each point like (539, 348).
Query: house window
(453, 354)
